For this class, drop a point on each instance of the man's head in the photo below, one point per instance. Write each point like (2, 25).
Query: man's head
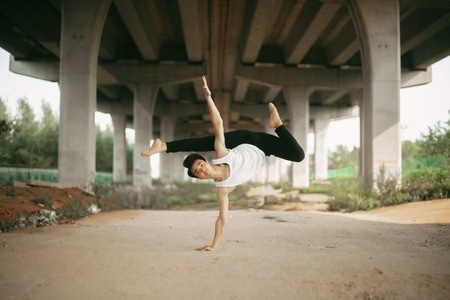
(189, 161)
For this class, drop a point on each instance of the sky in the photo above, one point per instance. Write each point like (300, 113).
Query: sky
(421, 107)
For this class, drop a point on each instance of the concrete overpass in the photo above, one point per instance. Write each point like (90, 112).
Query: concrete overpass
(140, 61)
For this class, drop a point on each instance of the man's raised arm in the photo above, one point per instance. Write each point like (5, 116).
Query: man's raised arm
(217, 122)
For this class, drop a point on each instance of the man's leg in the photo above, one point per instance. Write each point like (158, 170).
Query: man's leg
(204, 144)
(285, 145)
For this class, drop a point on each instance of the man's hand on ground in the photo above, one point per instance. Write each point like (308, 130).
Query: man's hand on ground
(205, 248)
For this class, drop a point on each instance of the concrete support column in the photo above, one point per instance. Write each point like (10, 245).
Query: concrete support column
(120, 147)
(168, 123)
(273, 166)
(81, 30)
(178, 171)
(378, 28)
(320, 148)
(297, 99)
(144, 105)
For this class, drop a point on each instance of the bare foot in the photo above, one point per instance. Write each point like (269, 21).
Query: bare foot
(275, 120)
(157, 147)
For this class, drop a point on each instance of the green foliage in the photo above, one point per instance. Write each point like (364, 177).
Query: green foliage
(284, 186)
(73, 211)
(7, 224)
(212, 197)
(26, 141)
(4, 127)
(342, 157)
(195, 185)
(46, 200)
(104, 150)
(104, 190)
(437, 142)
(410, 150)
(424, 178)
(427, 184)
(177, 200)
(350, 194)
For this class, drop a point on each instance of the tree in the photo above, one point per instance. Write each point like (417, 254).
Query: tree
(48, 137)
(104, 150)
(410, 150)
(26, 117)
(23, 143)
(5, 132)
(29, 142)
(342, 157)
(437, 141)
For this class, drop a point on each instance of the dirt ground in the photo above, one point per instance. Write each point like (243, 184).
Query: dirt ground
(400, 252)
(19, 200)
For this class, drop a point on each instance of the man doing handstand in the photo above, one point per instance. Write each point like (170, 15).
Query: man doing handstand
(239, 156)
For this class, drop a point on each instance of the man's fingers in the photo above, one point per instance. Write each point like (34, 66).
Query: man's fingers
(204, 248)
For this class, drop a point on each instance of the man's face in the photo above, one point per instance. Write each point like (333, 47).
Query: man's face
(202, 169)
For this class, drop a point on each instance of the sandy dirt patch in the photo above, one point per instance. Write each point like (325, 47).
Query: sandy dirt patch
(424, 212)
(263, 255)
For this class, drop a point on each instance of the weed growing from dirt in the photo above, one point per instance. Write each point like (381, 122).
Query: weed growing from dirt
(45, 200)
(350, 194)
(73, 211)
(26, 219)
(7, 224)
(158, 196)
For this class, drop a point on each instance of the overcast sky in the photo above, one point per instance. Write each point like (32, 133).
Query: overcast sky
(421, 106)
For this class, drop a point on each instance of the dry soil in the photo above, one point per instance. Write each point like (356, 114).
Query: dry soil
(393, 253)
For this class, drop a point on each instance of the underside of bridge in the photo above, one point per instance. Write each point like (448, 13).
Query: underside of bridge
(141, 61)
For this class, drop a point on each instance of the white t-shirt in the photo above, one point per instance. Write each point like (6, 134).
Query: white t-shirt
(245, 161)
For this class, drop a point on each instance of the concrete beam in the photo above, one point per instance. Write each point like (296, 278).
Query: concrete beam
(414, 78)
(334, 96)
(114, 73)
(191, 16)
(181, 110)
(263, 18)
(114, 108)
(344, 46)
(229, 57)
(171, 91)
(241, 89)
(273, 78)
(37, 69)
(306, 31)
(143, 36)
(434, 49)
(108, 91)
(272, 93)
(313, 77)
(411, 38)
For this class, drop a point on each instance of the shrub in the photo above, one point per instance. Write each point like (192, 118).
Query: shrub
(46, 200)
(73, 211)
(350, 195)
(428, 184)
(6, 224)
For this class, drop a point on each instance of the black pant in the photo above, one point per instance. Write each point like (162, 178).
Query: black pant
(283, 146)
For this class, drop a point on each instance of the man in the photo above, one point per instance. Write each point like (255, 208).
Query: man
(239, 156)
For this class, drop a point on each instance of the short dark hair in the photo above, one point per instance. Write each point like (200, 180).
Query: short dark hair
(189, 161)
